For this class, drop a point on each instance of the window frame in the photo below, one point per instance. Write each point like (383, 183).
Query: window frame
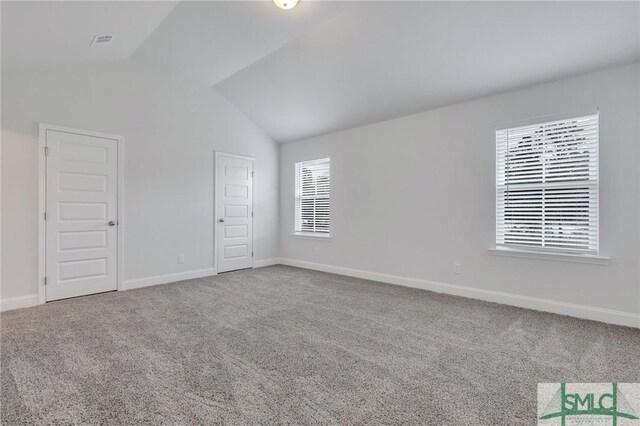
(502, 248)
(321, 235)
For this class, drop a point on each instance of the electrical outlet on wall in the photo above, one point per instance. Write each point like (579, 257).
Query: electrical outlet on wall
(457, 268)
(180, 259)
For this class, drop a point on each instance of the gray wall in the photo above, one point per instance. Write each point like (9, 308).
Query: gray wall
(171, 129)
(413, 195)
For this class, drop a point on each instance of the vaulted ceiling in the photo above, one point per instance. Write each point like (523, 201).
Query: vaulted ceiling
(326, 66)
(45, 33)
(210, 41)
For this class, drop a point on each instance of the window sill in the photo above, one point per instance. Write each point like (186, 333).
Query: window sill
(317, 237)
(562, 257)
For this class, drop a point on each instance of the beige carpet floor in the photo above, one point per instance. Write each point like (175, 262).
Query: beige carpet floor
(282, 345)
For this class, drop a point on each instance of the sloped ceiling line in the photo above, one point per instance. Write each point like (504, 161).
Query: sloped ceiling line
(328, 66)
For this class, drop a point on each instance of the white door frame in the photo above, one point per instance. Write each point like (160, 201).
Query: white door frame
(218, 154)
(42, 201)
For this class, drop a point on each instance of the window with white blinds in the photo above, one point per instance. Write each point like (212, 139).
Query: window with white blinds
(547, 186)
(313, 180)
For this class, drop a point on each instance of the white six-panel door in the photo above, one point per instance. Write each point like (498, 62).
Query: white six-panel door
(81, 214)
(234, 212)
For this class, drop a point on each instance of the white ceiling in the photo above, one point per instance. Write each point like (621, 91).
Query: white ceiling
(325, 66)
(211, 40)
(382, 60)
(44, 33)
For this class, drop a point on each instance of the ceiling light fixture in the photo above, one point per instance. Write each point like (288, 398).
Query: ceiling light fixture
(286, 4)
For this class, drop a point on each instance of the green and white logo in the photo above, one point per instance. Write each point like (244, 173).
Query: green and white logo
(572, 404)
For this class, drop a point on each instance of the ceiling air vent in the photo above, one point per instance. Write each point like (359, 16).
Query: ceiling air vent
(102, 39)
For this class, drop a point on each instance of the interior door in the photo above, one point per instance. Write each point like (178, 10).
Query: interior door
(81, 214)
(234, 212)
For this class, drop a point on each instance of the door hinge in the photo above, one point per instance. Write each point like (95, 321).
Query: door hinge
(45, 215)
(251, 254)
(251, 214)
(253, 174)
(45, 280)
(46, 151)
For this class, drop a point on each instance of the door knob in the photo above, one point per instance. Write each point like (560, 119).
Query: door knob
(112, 223)
(221, 220)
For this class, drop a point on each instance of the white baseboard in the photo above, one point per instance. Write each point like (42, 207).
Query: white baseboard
(267, 262)
(168, 278)
(19, 302)
(579, 311)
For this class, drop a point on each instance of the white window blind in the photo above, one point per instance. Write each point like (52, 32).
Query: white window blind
(313, 180)
(547, 186)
